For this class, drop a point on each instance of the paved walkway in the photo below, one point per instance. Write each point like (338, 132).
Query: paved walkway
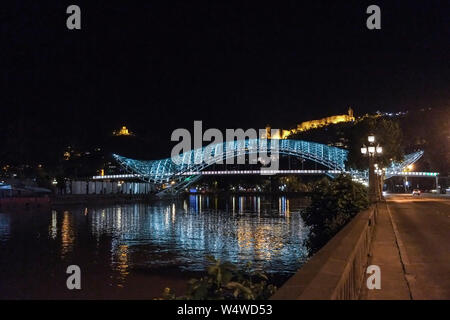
(411, 246)
(385, 254)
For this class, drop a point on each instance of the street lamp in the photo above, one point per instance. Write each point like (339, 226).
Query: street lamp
(371, 151)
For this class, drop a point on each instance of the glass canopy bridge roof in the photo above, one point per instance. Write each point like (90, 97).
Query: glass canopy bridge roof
(189, 166)
(162, 171)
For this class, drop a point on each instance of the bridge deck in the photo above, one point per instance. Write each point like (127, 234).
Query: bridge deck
(259, 172)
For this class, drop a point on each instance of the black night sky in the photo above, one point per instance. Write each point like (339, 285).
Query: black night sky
(159, 65)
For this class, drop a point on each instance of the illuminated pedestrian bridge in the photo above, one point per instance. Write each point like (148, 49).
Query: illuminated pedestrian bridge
(193, 164)
(160, 171)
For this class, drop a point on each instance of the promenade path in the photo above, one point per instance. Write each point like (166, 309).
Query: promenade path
(411, 245)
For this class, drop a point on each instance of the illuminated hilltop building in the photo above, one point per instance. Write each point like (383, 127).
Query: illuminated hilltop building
(123, 132)
(307, 125)
(312, 124)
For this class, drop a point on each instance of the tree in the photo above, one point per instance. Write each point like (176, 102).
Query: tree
(429, 130)
(333, 204)
(387, 134)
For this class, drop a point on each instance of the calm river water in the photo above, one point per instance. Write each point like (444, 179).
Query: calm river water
(135, 250)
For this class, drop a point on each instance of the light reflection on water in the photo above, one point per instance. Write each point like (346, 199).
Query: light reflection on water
(118, 239)
(182, 233)
(4, 226)
(67, 233)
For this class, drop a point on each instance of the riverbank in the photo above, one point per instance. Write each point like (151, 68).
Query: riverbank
(89, 199)
(46, 202)
(55, 201)
(69, 199)
(25, 203)
(252, 193)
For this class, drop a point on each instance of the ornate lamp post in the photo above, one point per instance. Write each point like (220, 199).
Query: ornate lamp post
(371, 151)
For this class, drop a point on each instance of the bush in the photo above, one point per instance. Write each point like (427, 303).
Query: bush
(333, 204)
(224, 281)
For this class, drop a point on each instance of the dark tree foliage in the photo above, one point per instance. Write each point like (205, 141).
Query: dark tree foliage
(333, 204)
(329, 135)
(387, 134)
(353, 135)
(429, 130)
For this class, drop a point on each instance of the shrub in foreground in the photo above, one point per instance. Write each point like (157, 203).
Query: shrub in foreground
(224, 281)
(333, 204)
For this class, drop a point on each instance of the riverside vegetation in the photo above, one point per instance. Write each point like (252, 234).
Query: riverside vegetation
(224, 281)
(333, 204)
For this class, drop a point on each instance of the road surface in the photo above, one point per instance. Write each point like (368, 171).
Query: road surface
(412, 246)
(422, 226)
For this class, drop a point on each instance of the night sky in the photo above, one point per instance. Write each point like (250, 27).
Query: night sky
(159, 65)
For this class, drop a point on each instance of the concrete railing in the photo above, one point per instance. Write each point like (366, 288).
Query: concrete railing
(337, 271)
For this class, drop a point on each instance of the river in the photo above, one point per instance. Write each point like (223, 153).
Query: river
(135, 250)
